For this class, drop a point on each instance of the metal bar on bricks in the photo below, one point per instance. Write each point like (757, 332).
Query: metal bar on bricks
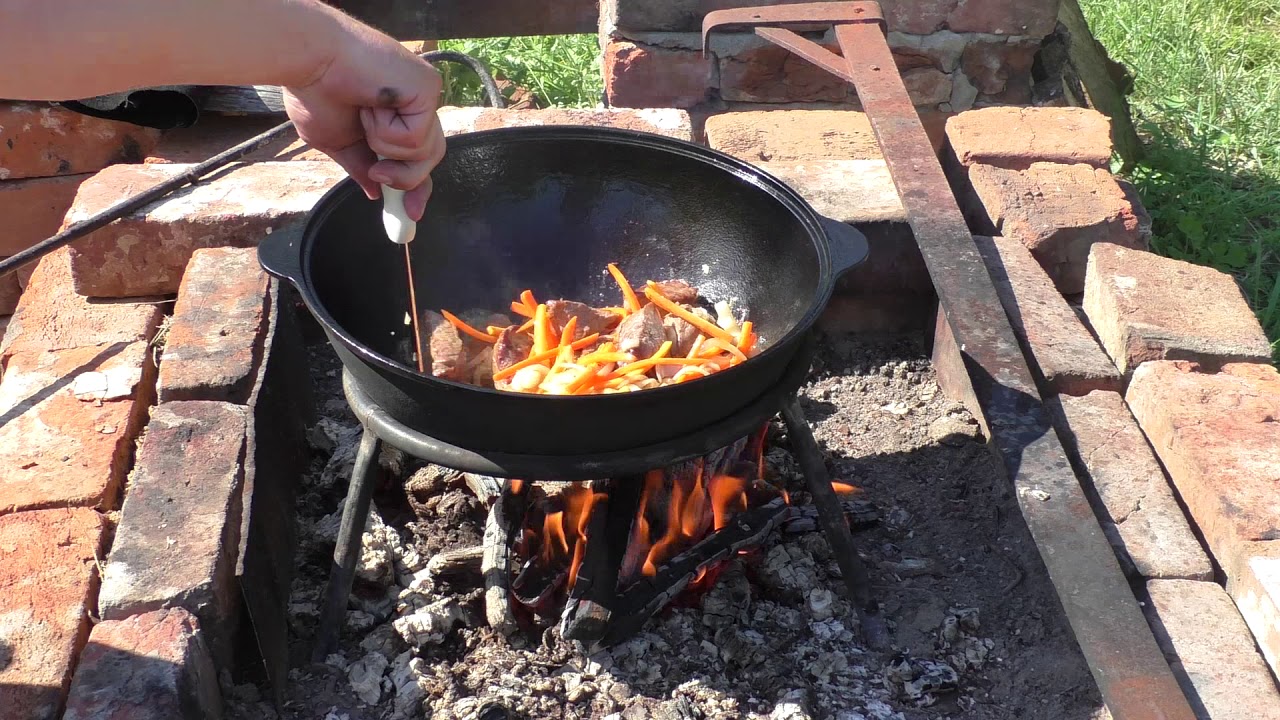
(1132, 674)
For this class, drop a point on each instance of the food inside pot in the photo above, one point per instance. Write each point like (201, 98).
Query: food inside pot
(662, 335)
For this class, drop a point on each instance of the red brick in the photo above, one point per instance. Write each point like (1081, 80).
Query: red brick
(1000, 68)
(153, 666)
(51, 316)
(1059, 347)
(661, 121)
(671, 15)
(793, 135)
(1015, 137)
(1253, 581)
(1005, 17)
(146, 252)
(1138, 512)
(1058, 212)
(850, 191)
(1218, 438)
(1211, 651)
(214, 341)
(10, 292)
(179, 529)
(774, 74)
(640, 76)
(1147, 307)
(38, 140)
(919, 17)
(927, 86)
(216, 133)
(49, 578)
(33, 209)
(68, 419)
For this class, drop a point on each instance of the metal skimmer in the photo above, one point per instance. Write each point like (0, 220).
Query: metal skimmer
(1127, 664)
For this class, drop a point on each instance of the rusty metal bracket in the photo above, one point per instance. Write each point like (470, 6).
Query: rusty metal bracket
(1131, 672)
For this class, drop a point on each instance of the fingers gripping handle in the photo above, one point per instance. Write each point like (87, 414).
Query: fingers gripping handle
(400, 228)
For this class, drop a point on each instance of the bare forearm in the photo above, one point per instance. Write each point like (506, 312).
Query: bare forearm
(68, 49)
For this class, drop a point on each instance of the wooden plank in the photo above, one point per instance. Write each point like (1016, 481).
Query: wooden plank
(1093, 70)
(448, 19)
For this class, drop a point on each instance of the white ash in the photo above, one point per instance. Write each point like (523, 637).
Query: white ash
(421, 621)
(365, 676)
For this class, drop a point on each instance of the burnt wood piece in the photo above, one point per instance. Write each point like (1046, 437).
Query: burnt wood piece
(860, 514)
(506, 517)
(834, 526)
(486, 488)
(463, 561)
(642, 600)
(450, 19)
(595, 590)
(537, 582)
(346, 552)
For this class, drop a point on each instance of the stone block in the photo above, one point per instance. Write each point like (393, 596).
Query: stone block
(49, 579)
(68, 421)
(1004, 17)
(1211, 652)
(51, 316)
(214, 340)
(153, 666)
(796, 135)
(671, 122)
(146, 252)
(1059, 212)
(33, 209)
(641, 76)
(1253, 581)
(1130, 493)
(1147, 307)
(179, 530)
(771, 74)
(1059, 348)
(1218, 438)
(41, 140)
(940, 50)
(1015, 137)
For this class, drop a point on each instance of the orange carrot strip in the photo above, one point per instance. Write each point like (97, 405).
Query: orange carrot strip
(526, 297)
(715, 346)
(525, 327)
(744, 334)
(521, 310)
(463, 327)
(494, 330)
(586, 381)
(537, 358)
(541, 330)
(629, 299)
(605, 357)
(715, 331)
(566, 337)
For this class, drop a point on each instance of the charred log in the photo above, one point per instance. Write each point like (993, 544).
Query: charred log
(457, 563)
(594, 592)
(506, 517)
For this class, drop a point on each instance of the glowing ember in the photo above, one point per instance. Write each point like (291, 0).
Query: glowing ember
(843, 488)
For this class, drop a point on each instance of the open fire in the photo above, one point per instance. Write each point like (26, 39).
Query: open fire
(600, 558)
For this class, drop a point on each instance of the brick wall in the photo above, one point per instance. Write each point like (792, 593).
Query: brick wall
(953, 54)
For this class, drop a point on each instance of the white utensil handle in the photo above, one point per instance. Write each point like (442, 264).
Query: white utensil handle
(400, 229)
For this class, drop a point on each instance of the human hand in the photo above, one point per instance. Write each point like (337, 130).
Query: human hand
(374, 98)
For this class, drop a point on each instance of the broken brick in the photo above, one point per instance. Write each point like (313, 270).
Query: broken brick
(41, 140)
(1253, 581)
(774, 74)
(1059, 212)
(671, 122)
(1004, 17)
(1015, 137)
(641, 76)
(33, 209)
(146, 252)
(153, 666)
(10, 293)
(795, 135)
(68, 420)
(1147, 307)
(214, 339)
(49, 577)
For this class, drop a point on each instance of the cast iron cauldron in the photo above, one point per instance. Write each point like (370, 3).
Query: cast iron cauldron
(547, 208)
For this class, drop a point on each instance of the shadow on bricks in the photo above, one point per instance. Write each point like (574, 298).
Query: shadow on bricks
(48, 391)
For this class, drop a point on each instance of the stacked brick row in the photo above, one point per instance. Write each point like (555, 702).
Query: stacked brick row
(1160, 381)
(953, 54)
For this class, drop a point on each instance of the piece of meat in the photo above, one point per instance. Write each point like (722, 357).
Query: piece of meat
(447, 355)
(512, 347)
(681, 333)
(642, 333)
(677, 291)
(590, 320)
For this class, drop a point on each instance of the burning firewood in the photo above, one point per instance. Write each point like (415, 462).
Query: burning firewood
(659, 336)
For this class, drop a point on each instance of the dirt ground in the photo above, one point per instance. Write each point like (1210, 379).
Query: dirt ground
(977, 630)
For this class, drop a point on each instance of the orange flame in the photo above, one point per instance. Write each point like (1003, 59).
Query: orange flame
(564, 532)
(844, 488)
(728, 498)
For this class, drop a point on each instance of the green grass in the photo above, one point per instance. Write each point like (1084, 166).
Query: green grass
(562, 70)
(1207, 102)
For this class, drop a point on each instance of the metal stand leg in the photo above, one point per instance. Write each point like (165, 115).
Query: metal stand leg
(355, 515)
(834, 525)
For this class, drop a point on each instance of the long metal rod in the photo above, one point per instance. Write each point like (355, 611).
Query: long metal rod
(1131, 671)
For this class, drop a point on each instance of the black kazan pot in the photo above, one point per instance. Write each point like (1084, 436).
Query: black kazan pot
(547, 208)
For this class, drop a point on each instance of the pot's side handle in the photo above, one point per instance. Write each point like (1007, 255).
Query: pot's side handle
(280, 253)
(849, 247)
